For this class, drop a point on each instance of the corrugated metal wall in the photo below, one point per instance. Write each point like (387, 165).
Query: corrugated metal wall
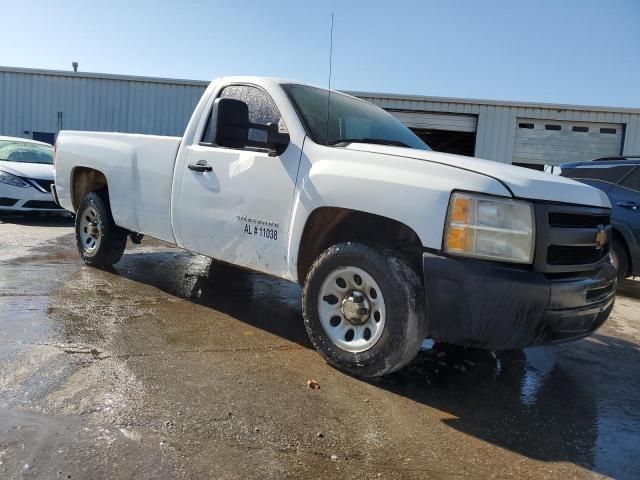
(31, 99)
(631, 142)
(31, 102)
(496, 123)
(496, 132)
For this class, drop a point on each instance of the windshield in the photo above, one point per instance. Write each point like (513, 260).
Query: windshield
(351, 119)
(16, 151)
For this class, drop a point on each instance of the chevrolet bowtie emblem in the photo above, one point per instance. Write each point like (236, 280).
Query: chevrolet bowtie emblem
(601, 238)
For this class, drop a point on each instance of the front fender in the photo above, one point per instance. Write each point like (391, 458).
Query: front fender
(413, 192)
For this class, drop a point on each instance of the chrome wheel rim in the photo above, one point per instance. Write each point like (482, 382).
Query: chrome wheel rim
(90, 229)
(351, 309)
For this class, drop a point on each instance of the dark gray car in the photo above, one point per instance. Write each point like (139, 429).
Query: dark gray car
(619, 177)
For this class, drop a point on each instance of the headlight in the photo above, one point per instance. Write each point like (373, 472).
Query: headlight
(490, 228)
(12, 180)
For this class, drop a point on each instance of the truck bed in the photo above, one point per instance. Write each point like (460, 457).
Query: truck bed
(139, 171)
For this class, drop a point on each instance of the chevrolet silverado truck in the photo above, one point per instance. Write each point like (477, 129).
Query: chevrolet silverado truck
(392, 242)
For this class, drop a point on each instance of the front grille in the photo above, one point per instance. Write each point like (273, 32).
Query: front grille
(40, 204)
(44, 184)
(577, 220)
(7, 202)
(570, 255)
(567, 237)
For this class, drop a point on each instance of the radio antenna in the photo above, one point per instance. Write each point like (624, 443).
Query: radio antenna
(326, 137)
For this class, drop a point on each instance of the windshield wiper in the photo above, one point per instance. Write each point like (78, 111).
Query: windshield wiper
(377, 141)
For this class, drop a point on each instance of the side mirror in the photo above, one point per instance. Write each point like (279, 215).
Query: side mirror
(277, 141)
(231, 119)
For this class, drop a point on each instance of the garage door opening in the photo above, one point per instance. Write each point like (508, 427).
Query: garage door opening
(443, 132)
(460, 143)
(534, 166)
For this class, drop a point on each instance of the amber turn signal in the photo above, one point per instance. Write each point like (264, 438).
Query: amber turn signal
(460, 210)
(457, 239)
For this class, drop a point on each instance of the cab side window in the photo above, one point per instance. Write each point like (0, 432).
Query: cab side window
(632, 182)
(262, 111)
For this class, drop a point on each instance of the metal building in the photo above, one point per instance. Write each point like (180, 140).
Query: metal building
(531, 134)
(39, 103)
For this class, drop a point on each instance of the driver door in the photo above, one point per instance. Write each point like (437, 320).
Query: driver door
(234, 204)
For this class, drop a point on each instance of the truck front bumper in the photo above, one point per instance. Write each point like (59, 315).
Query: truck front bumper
(486, 305)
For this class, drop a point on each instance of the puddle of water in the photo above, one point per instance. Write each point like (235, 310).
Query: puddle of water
(617, 448)
(539, 365)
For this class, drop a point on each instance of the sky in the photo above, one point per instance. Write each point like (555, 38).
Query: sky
(560, 51)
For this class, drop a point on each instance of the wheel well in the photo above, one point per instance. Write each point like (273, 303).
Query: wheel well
(327, 226)
(620, 238)
(83, 181)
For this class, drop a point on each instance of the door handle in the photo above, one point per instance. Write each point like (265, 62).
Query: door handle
(630, 205)
(200, 166)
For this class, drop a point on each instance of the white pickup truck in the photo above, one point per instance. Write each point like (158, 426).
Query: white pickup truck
(391, 241)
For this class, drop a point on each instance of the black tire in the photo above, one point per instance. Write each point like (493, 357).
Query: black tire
(620, 259)
(112, 239)
(405, 325)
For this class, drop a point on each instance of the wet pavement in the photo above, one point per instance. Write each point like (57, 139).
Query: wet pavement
(170, 367)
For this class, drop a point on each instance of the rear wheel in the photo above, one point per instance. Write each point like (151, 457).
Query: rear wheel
(619, 259)
(100, 241)
(364, 309)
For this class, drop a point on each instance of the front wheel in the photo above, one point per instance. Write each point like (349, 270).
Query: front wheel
(363, 309)
(619, 259)
(100, 241)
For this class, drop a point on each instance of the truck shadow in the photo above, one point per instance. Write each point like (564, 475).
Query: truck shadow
(264, 302)
(561, 404)
(536, 402)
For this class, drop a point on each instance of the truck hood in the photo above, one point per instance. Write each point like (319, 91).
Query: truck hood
(523, 182)
(40, 171)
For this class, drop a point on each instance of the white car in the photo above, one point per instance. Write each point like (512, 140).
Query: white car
(26, 175)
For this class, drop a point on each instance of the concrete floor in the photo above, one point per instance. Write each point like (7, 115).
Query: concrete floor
(168, 367)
